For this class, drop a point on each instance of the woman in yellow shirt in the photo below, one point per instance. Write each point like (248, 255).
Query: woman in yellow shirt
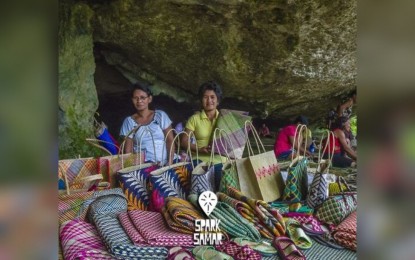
(203, 123)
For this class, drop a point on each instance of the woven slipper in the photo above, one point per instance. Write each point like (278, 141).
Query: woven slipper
(209, 253)
(263, 248)
(179, 253)
(287, 249)
(297, 234)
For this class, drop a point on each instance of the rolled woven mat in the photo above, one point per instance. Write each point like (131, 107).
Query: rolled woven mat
(80, 240)
(75, 206)
(230, 221)
(118, 242)
(246, 212)
(149, 228)
(345, 232)
(270, 217)
(180, 215)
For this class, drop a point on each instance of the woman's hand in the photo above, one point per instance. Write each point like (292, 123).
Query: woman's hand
(205, 149)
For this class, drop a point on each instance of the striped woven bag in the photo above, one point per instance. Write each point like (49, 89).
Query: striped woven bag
(318, 191)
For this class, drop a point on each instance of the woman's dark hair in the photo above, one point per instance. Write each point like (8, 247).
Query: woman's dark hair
(210, 85)
(339, 123)
(138, 86)
(302, 120)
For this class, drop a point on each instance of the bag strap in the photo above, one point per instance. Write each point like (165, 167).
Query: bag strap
(297, 136)
(224, 136)
(340, 179)
(95, 142)
(257, 139)
(330, 135)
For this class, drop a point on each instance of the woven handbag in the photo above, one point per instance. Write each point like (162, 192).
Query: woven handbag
(296, 185)
(232, 122)
(336, 208)
(318, 191)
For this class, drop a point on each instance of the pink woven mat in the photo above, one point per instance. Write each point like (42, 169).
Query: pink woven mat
(149, 228)
(80, 240)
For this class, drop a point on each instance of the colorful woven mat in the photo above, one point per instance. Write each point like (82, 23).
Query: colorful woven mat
(238, 252)
(180, 215)
(230, 221)
(118, 242)
(80, 240)
(75, 206)
(149, 228)
(318, 251)
(271, 218)
(246, 212)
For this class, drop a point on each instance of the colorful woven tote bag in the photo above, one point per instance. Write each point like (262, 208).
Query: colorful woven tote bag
(169, 181)
(319, 190)
(79, 174)
(296, 185)
(337, 208)
(233, 122)
(229, 177)
(134, 181)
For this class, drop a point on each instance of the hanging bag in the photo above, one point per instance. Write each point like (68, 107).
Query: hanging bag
(319, 191)
(258, 174)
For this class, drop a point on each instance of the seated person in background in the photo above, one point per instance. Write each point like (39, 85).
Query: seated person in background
(342, 110)
(146, 120)
(203, 123)
(264, 131)
(285, 140)
(341, 145)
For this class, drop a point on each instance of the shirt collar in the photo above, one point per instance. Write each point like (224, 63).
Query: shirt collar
(203, 114)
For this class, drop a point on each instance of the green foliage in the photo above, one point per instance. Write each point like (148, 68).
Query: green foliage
(353, 125)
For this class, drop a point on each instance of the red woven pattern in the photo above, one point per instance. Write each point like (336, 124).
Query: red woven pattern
(152, 230)
(80, 240)
(345, 232)
(238, 252)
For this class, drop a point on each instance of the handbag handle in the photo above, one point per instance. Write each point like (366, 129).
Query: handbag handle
(330, 135)
(121, 150)
(94, 142)
(83, 179)
(256, 137)
(297, 136)
(343, 193)
(172, 144)
(188, 150)
(224, 136)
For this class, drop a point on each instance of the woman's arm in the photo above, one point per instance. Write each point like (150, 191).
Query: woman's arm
(128, 147)
(193, 147)
(342, 138)
(298, 144)
(169, 142)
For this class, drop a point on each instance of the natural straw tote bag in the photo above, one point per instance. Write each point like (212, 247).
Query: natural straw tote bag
(259, 175)
(108, 166)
